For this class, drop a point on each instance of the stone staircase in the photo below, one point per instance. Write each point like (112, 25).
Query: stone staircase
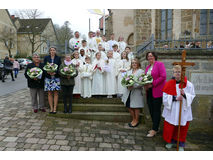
(101, 109)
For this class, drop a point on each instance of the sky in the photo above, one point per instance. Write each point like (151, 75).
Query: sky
(78, 18)
(76, 11)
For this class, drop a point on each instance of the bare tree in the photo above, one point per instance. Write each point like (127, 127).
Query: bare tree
(64, 33)
(32, 28)
(8, 37)
(28, 13)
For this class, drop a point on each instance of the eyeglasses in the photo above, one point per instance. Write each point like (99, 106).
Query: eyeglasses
(177, 72)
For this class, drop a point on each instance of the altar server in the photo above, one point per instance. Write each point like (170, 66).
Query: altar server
(172, 95)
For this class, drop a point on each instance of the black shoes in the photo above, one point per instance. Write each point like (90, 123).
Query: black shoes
(130, 125)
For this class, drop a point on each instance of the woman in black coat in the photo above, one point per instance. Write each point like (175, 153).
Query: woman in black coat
(36, 85)
(52, 81)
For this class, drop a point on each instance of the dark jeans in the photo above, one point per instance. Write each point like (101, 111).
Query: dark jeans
(6, 71)
(15, 71)
(67, 94)
(154, 105)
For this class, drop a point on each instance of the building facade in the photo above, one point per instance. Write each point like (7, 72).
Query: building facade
(137, 26)
(8, 32)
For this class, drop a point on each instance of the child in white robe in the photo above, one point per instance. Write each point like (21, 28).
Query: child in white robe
(103, 54)
(78, 63)
(123, 66)
(129, 53)
(110, 75)
(98, 79)
(122, 44)
(92, 45)
(116, 54)
(82, 55)
(86, 78)
(84, 46)
(172, 95)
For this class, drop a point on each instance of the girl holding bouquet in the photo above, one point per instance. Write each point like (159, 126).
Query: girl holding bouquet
(67, 73)
(52, 81)
(86, 78)
(35, 81)
(122, 67)
(132, 96)
(77, 62)
(98, 79)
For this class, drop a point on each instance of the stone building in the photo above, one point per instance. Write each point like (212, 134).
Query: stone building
(7, 29)
(167, 25)
(40, 32)
(138, 25)
(121, 23)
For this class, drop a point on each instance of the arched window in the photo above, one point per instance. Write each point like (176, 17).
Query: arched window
(166, 23)
(130, 39)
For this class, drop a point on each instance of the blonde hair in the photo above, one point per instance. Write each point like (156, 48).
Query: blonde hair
(176, 67)
(137, 61)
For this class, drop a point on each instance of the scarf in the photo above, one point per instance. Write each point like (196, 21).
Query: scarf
(170, 86)
(67, 63)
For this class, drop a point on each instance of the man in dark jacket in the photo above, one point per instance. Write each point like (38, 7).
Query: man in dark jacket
(8, 68)
(36, 85)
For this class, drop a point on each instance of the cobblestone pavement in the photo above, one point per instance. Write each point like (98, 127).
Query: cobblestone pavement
(21, 129)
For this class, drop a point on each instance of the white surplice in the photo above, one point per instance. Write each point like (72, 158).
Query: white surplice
(103, 55)
(122, 65)
(82, 58)
(122, 46)
(131, 56)
(75, 42)
(111, 43)
(105, 45)
(110, 77)
(171, 108)
(77, 87)
(92, 45)
(86, 80)
(86, 50)
(116, 56)
(98, 78)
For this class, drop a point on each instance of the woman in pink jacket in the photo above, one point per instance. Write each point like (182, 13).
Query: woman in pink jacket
(154, 90)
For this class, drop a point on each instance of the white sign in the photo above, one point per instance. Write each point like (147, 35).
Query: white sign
(203, 83)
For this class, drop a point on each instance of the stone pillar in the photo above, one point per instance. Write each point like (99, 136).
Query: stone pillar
(143, 20)
(176, 31)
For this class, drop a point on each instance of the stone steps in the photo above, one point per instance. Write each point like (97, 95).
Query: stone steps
(95, 100)
(82, 107)
(101, 109)
(98, 116)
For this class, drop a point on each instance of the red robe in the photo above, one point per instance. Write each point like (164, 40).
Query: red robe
(169, 130)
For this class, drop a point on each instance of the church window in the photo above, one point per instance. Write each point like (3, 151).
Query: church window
(206, 22)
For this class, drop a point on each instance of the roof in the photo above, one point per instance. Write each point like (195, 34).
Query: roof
(11, 18)
(29, 25)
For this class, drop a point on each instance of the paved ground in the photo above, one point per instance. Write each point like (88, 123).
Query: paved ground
(10, 86)
(20, 129)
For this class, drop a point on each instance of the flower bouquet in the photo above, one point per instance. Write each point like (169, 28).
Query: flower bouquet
(144, 79)
(68, 70)
(128, 80)
(35, 73)
(50, 67)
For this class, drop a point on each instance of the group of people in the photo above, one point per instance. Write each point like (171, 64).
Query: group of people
(99, 72)
(158, 92)
(10, 65)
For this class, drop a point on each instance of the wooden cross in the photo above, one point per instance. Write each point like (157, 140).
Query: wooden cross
(183, 65)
